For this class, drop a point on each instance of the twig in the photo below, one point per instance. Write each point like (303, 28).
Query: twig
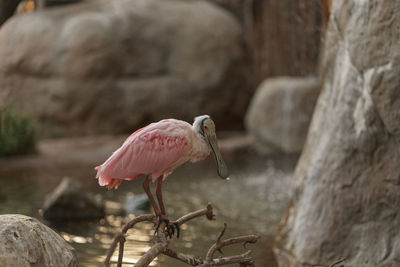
(183, 257)
(208, 211)
(121, 250)
(120, 238)
(244, 258)
(111, 250)
(138, 219)
(222, 233)
(218, 245)
(151, 254)
(161, 244)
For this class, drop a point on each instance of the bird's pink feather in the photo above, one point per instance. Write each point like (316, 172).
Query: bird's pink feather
(155, 150)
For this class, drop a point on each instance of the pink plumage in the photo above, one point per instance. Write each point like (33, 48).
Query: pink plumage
(155, 150)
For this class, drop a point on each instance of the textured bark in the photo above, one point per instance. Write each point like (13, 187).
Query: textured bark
(347, 199)
(282, 36)
(286, 37)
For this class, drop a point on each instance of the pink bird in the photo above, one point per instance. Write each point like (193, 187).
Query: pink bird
(155, 151)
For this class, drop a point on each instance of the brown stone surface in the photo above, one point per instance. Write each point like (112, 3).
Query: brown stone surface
(112, 66)
(280, 113)
(25, 242)
(69, 201)
(346, 201)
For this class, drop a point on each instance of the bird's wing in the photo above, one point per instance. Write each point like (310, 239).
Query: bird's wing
(158, 153)
(150, 151)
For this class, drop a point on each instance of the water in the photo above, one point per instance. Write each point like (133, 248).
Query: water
(252, 202)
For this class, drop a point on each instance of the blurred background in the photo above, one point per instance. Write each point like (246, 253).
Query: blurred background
(78, 76)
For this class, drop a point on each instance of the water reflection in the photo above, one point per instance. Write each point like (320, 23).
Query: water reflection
(253, 201)
(76, 239)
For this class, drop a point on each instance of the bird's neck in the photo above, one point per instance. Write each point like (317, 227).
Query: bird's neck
(200, 148)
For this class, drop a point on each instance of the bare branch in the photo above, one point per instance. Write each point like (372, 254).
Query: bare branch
(111, 250)
(208, 211)
(151, 254)
(222, 233)
(161, 244)
(120, 238)
(183, 257)
(218, 245)
(138, 219)
(159, 247)
(242, 258)
(121, 250)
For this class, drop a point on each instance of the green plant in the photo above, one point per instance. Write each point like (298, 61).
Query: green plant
(17, 134)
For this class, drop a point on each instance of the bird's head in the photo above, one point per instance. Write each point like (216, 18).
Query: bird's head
(205, 126)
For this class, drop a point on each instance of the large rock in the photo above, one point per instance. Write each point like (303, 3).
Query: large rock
(111, 66)
(25, 242)
(280, 113)
(347, 198)
(69, 201)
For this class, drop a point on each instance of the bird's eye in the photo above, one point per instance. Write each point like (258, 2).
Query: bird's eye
(205, 127)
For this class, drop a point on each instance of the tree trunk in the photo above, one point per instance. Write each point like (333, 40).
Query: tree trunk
(7, 9)
(283, 36)
(286, 38)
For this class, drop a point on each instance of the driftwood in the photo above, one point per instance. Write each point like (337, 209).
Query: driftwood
(160, 245)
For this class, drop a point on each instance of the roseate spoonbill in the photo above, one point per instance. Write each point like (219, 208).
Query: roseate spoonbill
(155, 151)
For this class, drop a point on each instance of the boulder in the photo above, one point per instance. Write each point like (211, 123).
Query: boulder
(25, 242)
(280, 113)
(69, 201)
(111, 66)
(346, 202)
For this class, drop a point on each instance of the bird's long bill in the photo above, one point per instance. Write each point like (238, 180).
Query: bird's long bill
(222, 169)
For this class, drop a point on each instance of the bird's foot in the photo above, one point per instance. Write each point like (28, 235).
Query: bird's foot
(171, 226)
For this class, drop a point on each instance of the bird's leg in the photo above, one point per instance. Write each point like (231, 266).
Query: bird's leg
(146, 187)
(171, 226)
(159, 195)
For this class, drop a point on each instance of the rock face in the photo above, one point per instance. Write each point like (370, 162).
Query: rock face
(69, 201)
(111, 66)
(280, 113)
(25, 242)
(347, 198)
